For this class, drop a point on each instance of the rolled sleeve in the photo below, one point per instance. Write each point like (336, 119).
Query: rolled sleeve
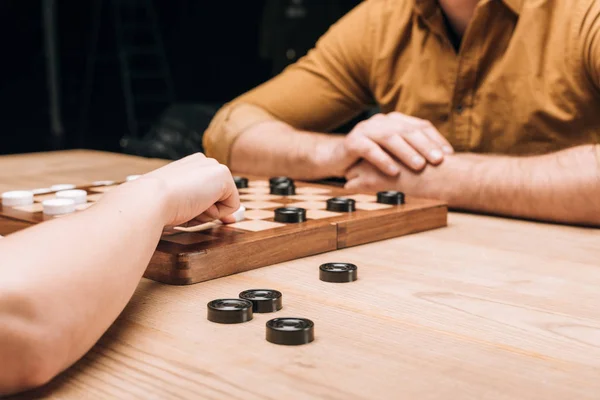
(227, 125)
(320, 92)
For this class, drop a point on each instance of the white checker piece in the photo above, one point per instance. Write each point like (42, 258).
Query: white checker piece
(62, 186)
(17, 198)
(58, 206)
(77, 195)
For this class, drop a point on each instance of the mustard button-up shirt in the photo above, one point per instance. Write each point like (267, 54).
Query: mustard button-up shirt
(526, 79)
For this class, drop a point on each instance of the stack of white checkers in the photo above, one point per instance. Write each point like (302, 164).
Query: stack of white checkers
(67, 199)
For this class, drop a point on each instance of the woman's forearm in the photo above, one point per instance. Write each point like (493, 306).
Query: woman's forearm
(64, 281)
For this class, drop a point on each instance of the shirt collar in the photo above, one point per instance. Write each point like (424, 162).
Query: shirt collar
(428, 7)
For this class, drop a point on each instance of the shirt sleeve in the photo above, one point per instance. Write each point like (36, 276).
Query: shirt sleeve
(320, 92)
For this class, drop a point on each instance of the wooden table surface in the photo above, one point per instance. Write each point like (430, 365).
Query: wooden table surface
(487, 308)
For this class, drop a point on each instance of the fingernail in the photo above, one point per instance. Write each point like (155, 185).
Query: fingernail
(418, 161)
(448, 150)
(393, 169)
(436, 155)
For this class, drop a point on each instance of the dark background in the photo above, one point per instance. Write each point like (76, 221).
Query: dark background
(214, 49)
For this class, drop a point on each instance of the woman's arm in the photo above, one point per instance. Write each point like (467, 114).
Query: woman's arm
(63, 282)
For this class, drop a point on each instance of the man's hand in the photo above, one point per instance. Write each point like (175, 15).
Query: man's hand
(392, 139)
(559, 187)
(366, 177)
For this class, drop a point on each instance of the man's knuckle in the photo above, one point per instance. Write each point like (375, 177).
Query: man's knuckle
(351, 144)
(389, 137)
(373, 154)
(361, 125)
(413, 134)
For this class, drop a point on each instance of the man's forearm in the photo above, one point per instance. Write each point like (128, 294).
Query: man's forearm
(561, 187)
(274, 148)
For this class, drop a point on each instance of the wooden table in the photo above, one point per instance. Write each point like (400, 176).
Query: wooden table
(486, 308)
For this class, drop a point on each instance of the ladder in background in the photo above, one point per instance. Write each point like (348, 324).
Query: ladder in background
(146, 80)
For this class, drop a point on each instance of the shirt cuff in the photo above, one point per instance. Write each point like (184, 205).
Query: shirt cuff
(227, 125)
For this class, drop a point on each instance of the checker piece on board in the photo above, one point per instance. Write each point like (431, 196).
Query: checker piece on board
(280, 179)
(58, 206)
(338, 272)
(77, 195)
(390, 197)
(263, 300)
(17, 198)
(229, 311)
(240, 182)
(62, 186)
(341, 204)
(283, 189)
(290, 215)
(290, 331)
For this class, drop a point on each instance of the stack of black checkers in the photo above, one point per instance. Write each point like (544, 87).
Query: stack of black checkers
(282, 186)
(284, 331)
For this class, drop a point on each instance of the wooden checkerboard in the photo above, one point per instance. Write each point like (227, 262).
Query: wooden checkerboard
(215, 250)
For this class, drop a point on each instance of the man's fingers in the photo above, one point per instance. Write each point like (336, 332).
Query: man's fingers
(427, 128)
(404, 152)
(367, 149)
(352, 184)
(434, 135)
(428, 148)
(352, 173)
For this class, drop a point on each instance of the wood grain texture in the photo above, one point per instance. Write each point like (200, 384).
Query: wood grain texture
(79, 167)
(480, 310)
(281, 245)
(8, 226)
(487, 308)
